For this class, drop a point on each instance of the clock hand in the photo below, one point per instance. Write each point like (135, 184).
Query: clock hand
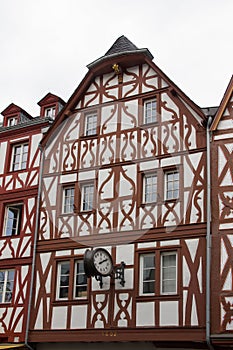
(101, 262)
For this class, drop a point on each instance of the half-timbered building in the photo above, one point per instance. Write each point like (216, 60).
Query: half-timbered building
(124, 169)
(20, 135)
(222, 222)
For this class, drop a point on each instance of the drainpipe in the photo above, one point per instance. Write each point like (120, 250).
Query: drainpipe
(208, 236)
(34, 247)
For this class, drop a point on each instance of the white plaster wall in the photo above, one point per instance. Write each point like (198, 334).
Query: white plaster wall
(59, 317)
(78, 316)
(169, 313)
(3, 147)
(145, 314)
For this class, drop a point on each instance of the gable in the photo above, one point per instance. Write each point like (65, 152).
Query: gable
(224, 116)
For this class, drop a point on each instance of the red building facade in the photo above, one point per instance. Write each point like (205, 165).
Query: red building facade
(138, 175)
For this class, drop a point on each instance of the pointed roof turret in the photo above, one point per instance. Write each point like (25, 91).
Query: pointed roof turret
(122, 44)
(121, 47)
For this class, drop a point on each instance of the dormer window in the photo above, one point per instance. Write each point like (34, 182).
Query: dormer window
(12, 121)
(50, 112)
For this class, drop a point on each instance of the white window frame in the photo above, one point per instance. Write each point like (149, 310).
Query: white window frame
(81, 284)
(167, 173)
(91, 124)
(141, 280)
(50, 112)
(68, 208)
(18, 207)
(6, 281)
(21, 156)
(146, 186)
(59, 265)
(162, 279)
(11, 121)
(85, 197)
(148, 107)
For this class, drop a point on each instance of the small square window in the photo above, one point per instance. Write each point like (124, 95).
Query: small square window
(169, 273)
(150, 111)
(50, 112)
(91, 124)
(19, 157)
(172, 185)
(147, 274)
(12, 121)
(68, 200)
(149, 188)
(87, 200)
(6, 285)
(80, 285)
(13, 214)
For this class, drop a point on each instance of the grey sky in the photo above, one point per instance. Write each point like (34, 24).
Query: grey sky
(46, 44)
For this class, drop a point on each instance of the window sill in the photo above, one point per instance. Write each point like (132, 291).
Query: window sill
(70, 302)
(157, 297)
(85, 137)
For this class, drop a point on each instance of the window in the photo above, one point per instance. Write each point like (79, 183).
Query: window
(168, 273)
(149, 188)
(87, 197)
(91, 124)
(172, 185)
(6, 285)
(150, 111)
(71, 286)
(13, 215)
(147, 274)
(68, 200)
(63, 280)
(158, 273)
(19, 157)
(80, 289)
(50, 112)
(11, 121)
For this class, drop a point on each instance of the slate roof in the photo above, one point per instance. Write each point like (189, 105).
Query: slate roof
(122, 46)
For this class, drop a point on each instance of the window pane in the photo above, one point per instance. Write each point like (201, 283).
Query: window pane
(91, 124)
(6, 285)
(88, 196)
(63, 279)
(169, 279)
(12, 220)
(172, 185)
(148, 287)
(150, 111)
(20, 155)
(80, 280)
(150, 188)
(147, 268)
(68, 200)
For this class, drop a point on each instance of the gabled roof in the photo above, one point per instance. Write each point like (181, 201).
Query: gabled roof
(116, 54)
(223, 104)
(122, 46)
(13, 108)
(50, 98)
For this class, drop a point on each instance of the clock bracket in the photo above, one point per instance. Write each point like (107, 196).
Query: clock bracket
(118, 273)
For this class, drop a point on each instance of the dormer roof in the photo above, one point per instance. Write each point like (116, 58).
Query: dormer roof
(50, 98)
(14, 109)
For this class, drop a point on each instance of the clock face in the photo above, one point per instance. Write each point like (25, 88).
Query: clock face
(102, 261)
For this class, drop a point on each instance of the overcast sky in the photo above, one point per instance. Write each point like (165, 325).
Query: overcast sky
(46, 44)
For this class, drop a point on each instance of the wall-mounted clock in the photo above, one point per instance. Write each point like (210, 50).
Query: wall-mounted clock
(98, 262)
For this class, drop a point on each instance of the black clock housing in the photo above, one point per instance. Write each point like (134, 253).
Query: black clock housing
(98, 262)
